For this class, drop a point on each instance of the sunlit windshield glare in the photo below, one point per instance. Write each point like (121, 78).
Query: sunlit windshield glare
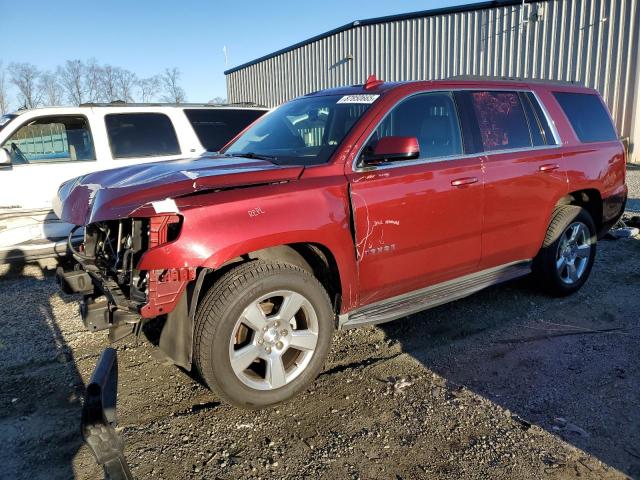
(302, 132)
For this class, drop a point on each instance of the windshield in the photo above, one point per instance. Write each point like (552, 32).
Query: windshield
(5, 119)
(305, 131)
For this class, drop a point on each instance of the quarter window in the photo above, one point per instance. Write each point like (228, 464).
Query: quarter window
(501, 120)
(51, 139)
(588, 116)
(431, 118)
(141, 135)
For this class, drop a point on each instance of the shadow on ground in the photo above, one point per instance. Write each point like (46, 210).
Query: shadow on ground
(41, 389)
(569, 365)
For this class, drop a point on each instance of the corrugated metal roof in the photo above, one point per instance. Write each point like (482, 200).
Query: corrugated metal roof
(378, 20)
(591, 42)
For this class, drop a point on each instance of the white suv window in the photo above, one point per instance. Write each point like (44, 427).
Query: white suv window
(51, 139)
(141, 135)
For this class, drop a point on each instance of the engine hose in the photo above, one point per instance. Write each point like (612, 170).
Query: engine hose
(73, 250)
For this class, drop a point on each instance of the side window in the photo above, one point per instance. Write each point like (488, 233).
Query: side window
(310, 127)
(537, 133)
(587, 116)
(216, 126)
(141, 135)
(501, 119)
(431, 118)
(51, 139)
(543, 123)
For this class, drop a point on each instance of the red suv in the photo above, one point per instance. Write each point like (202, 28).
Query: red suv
(345, 207)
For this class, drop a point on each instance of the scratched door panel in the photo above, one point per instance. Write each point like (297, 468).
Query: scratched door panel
(413, 227)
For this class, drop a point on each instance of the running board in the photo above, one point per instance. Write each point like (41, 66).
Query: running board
(429, 297)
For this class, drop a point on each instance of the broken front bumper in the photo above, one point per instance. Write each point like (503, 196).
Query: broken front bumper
(104, 305)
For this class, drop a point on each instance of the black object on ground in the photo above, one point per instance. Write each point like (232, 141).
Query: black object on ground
(99, 418)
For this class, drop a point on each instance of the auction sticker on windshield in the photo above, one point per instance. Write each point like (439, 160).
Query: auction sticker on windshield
(358, 99)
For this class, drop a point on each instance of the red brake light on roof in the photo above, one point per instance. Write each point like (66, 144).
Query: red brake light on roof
(372, 82)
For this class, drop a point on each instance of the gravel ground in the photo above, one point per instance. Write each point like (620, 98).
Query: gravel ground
(633, 182)
(504, 384)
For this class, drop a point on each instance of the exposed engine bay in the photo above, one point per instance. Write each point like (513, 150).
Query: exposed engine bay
(117, 295)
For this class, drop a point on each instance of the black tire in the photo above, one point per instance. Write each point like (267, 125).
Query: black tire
(545, 266)
(216, 324)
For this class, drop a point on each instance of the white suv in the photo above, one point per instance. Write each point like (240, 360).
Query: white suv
(41, 148)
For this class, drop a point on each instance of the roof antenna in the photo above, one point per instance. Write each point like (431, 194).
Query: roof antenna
(372, 82)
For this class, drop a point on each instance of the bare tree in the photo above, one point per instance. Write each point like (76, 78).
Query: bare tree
(218, 100)
(149, 88)
(126, 81)
(109, 88)
(173, 92)
(4, 91)
(51, 89)
(92, 80)
(71, 77)
(25, 77)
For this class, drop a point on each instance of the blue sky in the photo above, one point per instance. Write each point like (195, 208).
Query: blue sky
(147, 36)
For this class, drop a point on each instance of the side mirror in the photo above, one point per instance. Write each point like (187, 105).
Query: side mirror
(5, 158)
(390, 149)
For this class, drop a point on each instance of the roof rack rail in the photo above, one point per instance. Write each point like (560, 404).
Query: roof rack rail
(120, 103)
(246, 103)
(514, 79)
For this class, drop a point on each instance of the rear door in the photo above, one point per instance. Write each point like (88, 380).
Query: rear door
(524, 174)
(418, 222)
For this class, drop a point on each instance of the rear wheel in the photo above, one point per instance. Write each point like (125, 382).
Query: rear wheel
(262, 333)
(565, 260)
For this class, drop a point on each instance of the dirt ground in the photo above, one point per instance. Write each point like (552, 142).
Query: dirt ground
(505, 384)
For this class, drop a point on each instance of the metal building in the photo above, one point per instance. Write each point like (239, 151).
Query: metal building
(593, 42)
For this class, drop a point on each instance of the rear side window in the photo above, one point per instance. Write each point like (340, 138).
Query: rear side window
(215, 127)
(141, 135)
(587, 116)
(501, 119)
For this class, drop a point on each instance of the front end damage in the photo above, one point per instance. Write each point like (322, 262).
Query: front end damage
(132, 266)
(117, 295)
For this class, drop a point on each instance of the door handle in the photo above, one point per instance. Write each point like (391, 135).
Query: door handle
(461, 182)
(549, 167)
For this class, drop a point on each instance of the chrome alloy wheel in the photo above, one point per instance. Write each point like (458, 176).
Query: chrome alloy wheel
(274, 339)
(574, 250)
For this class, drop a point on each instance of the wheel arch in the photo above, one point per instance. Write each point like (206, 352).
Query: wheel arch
(176, 338)
(315, 258)
(590, 199)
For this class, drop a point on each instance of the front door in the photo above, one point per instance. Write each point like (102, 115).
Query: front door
(418, 222)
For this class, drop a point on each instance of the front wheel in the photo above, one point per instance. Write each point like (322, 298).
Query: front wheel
(262, 333)
(565, 260)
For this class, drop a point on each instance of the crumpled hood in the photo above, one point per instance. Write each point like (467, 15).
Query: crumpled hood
(114, 194)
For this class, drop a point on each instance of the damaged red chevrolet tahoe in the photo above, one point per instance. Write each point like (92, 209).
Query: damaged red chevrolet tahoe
(344, 207)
